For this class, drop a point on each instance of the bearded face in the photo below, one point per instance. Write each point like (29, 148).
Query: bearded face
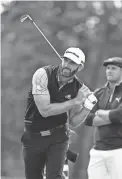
(68, 68)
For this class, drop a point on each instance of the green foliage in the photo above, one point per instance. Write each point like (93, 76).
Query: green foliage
(95, 27)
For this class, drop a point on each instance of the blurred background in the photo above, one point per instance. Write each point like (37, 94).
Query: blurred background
(93, 26)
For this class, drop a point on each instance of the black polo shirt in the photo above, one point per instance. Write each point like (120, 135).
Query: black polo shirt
(109, 136)
(57, 95)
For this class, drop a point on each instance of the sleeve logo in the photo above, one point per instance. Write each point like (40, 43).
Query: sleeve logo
(118, 99)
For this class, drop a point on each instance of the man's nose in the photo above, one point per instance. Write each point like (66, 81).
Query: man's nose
(109, 70)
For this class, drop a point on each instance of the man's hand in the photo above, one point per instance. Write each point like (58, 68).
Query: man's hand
(98, 121)
(72, 136)
(104, 114)
(83, 93)
(90, 101)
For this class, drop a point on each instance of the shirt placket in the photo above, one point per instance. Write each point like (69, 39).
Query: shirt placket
(111, 96)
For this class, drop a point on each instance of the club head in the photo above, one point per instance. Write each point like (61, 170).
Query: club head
(24, 17)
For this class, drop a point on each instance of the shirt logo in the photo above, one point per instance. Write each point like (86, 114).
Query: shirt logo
(68, 96)
(118, 99)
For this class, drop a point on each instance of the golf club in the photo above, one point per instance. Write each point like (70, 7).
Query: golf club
(25, 17)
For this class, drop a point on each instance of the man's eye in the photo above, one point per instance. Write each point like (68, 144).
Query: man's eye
(114, 68)
(66, 60)
(72, 62)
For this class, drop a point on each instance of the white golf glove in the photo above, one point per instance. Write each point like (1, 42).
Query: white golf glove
(90, 101)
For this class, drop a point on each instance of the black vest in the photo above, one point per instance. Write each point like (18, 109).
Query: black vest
(32, 115)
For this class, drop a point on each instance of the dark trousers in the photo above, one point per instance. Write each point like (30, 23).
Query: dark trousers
(40, 151)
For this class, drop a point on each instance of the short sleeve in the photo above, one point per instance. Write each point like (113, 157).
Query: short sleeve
(40, 82)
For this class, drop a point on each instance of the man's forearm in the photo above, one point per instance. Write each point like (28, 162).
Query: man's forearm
(101, 118)
(115, 115)
(79, 117)
(58, 108)
(99, 121)
(95, 120)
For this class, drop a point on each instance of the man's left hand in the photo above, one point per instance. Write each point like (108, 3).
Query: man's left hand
(104, 114)
(72, 136)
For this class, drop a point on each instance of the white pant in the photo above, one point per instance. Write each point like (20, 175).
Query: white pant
(105, 164)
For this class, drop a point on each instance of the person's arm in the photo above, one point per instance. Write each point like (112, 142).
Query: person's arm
(111, 116)
(105, 117)
(93, 119)
(99, 121)
(115, 115)
(42, 97)
(91, 115)
(72, 136)
(77, 116)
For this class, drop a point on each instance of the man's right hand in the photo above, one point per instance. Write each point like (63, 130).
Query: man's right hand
(83, 93)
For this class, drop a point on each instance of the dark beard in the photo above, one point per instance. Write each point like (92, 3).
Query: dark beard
(70, 73)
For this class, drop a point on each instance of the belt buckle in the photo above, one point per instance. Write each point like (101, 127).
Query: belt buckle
(45, 133)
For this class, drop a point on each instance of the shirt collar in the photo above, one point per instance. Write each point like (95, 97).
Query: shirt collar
(118, 84)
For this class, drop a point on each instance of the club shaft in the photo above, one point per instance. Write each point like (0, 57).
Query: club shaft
(46, 39)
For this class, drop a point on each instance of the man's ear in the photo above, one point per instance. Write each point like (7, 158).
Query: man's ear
(81, 66)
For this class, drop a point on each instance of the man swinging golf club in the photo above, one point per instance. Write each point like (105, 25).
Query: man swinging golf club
(56, 96)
